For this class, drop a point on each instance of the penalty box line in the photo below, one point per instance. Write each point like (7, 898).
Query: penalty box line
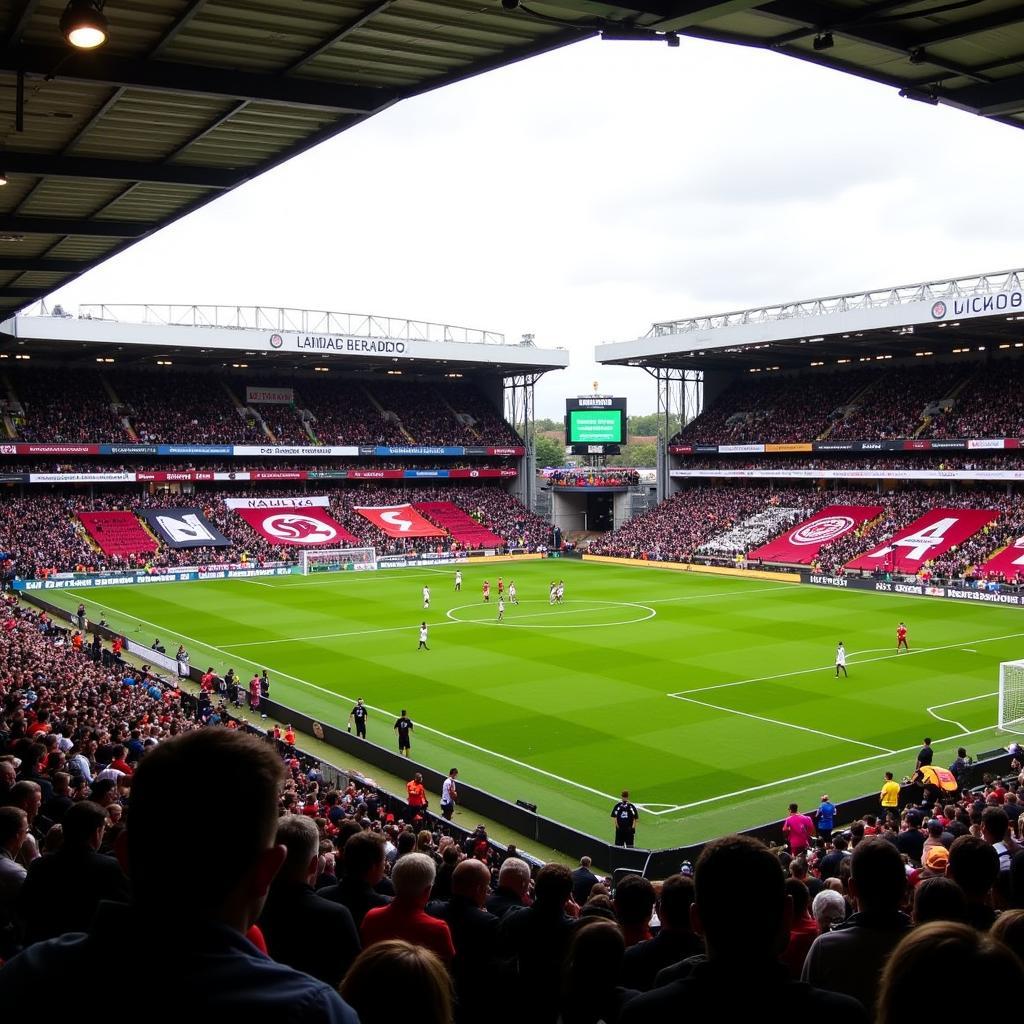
(826, 668)
(784, 724)
(340, 696)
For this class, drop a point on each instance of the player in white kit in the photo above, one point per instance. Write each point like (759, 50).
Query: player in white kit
(512, 592)
(841, 660)
(501, 608)
(426, 597)
(458, 580)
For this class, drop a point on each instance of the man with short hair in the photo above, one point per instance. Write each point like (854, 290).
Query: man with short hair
(797, 830)
(474, 933)
(449, 795)
(537, 939)
(13, 829)
(302, 929)
(513, 883)
(405, 917)
(890, 796)
(634, 900)
(674, 942)
(363, 859)
(849, 959)
(625, 815)
(583, 880)
(995, 826)
(974, 866)
(742, 912)
(200, 864)
(925, 755)
(826, 818)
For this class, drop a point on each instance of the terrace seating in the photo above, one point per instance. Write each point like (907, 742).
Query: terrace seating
(465, 530)
(118, 534)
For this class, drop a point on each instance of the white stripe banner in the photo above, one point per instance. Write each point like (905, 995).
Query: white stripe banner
(302, 501)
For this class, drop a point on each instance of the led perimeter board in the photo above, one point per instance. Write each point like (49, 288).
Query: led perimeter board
(595, 419)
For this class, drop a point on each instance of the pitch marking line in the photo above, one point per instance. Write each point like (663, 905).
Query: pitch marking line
(825, 668)
(665, 809)
(966, 700)
(787, 725)
(340, 696)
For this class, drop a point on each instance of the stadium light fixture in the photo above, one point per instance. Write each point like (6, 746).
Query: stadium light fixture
(164, 362)
(1006, 345)
(84, 25)
(3, 178)
(823, 41)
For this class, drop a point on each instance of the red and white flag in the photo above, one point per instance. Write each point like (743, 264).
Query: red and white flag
(304, 527)
(400, 521)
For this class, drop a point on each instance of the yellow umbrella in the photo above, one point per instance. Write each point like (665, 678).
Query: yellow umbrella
(940, 778)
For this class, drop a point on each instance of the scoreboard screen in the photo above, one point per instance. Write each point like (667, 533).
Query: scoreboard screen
(595, 420)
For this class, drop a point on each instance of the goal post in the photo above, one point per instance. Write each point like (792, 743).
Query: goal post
(1011, 696)
(337, 560)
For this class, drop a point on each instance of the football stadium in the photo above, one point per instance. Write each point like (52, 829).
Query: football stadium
(317, 684)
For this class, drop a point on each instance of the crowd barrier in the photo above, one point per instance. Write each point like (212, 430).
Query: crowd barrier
(529, 824)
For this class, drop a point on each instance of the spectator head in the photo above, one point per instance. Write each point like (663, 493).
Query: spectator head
(394, 966)
(202, 822)
(974, 866)
(674, 902)
(365, 857)
(471, 879)
(828, 909)
(839, 842)
(592, 964)
(994, 824)
(797, 891)
(514, 875)
(585, 862)
(413, 877)
(792, 808)
(8, 774)
(1009, 929)
(103, 792)
(300, 837)
(634, 901)
(13, 829)
(84, 823)
(405, 844)
(944, 949)
(748, 921)
(878, 879)
(28, 796)
(939, 899)
(553, 886)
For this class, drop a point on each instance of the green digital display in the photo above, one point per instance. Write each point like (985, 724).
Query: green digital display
(597, 426)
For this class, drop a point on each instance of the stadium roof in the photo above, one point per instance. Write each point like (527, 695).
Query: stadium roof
(957, 316)
(257, 338)
(191, 98)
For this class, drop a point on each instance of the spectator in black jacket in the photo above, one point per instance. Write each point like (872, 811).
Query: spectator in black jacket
(364, 868)
(583, 880)
(63, 889)
(301, 928)
(743, 913)
(676, 940)
(513, 882)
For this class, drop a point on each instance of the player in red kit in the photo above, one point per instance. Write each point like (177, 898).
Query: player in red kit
(901, 638)
(487, 591)
(501, 586)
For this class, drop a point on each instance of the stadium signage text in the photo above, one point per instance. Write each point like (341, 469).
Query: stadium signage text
(179, 576)
(977, 305)
(263, 451)
(855, 474)
(351, 346)
(915, 590)
(897, 445)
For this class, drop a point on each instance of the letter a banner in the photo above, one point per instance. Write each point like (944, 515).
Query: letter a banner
(1009, 563)
(924, 539)
(183, 528)
(400, 521)
(303, 527)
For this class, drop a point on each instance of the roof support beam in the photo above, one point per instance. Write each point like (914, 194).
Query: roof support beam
(194, 80)
(32, 264)
(962, 29)
(1005, 96)
(70, 226)
(118, 170)
(336, 37)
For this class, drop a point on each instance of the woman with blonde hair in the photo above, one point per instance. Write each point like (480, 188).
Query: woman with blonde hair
(395, 966)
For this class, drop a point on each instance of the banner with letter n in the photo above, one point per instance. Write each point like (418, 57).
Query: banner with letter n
(1008, 563)
(400, 521)
(183, 528)
(924, 539)
(801, 544)
(307, 526)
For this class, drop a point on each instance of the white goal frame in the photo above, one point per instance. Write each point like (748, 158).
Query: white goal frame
(1011, 696)
(317, 560)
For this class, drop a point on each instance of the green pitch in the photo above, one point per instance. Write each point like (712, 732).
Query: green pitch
(712, 699)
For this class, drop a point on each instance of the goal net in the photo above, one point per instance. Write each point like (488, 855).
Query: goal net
(1011, 696)
(338, 560)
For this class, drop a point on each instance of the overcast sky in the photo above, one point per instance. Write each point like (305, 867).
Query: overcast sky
(582, 195)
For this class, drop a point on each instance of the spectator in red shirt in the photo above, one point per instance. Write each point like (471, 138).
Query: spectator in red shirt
(406, 918)
(118, 762)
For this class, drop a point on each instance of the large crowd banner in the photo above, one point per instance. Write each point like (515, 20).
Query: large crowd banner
(1008, 563)
(183, 528)
(400, 521)
(303, 526)
(926, 538)
(801, 544)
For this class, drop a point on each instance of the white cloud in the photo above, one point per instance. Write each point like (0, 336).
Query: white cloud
(586, 193)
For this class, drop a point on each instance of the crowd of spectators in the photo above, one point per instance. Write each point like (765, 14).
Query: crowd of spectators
(932, 399)
(139, 823)
(1012, 459)
(40, 534)
(195, 408)
(586, 476)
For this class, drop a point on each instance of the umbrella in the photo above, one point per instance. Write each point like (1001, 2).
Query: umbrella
(939, 778)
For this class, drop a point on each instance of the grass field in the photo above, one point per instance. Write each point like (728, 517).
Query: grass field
(713, 699)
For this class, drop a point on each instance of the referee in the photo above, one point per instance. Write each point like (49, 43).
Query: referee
(625, 816)
(358, 715)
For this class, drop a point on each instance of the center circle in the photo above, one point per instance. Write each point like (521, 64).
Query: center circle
(645, 613)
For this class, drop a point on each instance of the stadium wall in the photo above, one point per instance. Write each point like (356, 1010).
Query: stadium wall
(547, 832)
(714, 570)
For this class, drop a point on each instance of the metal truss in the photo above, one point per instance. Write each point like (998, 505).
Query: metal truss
(520, 412)
(680, 395)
